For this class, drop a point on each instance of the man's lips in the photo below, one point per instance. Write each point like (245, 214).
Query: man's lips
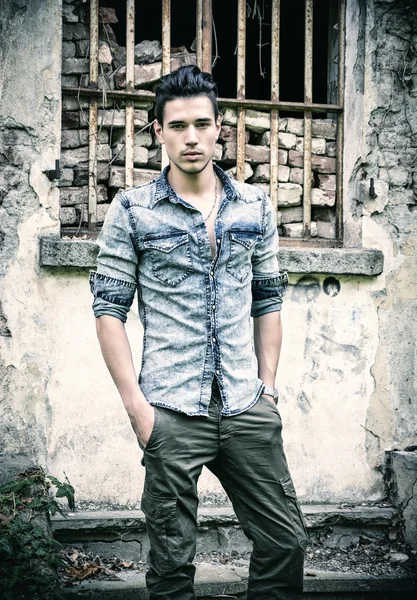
(192, 154)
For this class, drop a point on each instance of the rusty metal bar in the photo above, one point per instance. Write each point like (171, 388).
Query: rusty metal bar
(93, 115)
(308, 98)
(232, 102)
(274, 142)
(130, 86)
(207, 34)
(340, 117)
(166, 36)
(166, 57)
(241, 89)
(199, 34)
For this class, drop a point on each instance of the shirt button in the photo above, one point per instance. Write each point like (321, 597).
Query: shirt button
(218, 240)
(214, 307)
(214, 340)
(211, 273)
(217, 372)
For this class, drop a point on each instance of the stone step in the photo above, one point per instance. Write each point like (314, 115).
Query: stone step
(218, 581)
(123, 533)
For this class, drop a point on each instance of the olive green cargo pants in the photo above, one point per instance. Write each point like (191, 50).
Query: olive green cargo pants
(245, 452)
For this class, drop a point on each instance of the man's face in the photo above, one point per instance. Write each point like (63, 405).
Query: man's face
(189, 133)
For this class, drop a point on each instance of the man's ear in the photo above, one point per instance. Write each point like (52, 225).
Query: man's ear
(158, 131)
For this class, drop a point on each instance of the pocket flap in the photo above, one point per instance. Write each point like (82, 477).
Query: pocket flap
(166, 243)
(245, 238)
(158, 509)
(288, 486)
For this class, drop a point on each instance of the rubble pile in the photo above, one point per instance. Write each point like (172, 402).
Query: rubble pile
(147, 152)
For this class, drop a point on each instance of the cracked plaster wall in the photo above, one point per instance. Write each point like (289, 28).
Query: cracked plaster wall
(349, 351)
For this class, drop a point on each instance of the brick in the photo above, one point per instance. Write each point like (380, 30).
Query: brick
(323, 164)
(152, 72)
(228, 133)
(218, 152)
(325, 128)
(68, 216)
(295, 159)
(295, 230)
(71, 66)
(70, 138)
(68, 50)
(82, 48)
(66, 178)
(327, 182)
(74, 103)
(140, 176)
(140, 155)
(289, 194)
(295, 126)
(70, 119)
(105, 81)
(101, 212)
(256, 154)
(292, 214)
(81, 173)
(116, 118)
(148, 51)
(69, 81)
(248, 172)
(322, 197)
(68, 14)
(297, 175)
(255, 120)
(322, 213)
(104, 153)
(318, 145)
(326, 230)
(73, 156)
(154, 158)
(71, 196)
(108, 15)
(103, 137)
(143, 139)
(266, 137)
(287, 140)
(331, 149)
(262, 173)
(75, 31)
(253, 154)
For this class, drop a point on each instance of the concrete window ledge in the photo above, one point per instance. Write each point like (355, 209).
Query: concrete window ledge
(55, 252)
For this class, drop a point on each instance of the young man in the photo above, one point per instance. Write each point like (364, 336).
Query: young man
(201, 251)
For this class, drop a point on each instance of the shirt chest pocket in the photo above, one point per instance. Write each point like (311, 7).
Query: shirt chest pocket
(242, 244)
(169, 256)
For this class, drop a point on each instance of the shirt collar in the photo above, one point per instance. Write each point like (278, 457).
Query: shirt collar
(164, 189)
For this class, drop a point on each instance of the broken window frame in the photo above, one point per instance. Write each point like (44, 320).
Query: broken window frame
(204, 31)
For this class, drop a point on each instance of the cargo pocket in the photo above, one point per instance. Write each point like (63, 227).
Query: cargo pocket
(294, 510)
(162, 526)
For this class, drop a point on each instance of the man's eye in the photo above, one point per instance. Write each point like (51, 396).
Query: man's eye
(202, 125)
(178, 126)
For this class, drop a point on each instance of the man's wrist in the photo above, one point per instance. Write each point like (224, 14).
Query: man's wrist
(271, 392)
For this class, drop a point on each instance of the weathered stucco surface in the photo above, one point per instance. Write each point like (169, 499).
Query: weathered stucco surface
(347, 374)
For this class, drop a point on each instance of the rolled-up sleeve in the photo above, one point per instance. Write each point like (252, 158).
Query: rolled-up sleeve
(268, 284)
(113, 285)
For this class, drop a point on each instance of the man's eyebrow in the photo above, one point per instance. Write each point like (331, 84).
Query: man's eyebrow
(200, 120)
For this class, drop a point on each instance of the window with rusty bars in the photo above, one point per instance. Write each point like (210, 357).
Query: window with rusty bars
(279, 68)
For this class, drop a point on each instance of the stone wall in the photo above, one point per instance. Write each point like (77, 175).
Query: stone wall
(147, 152)
(347, 372)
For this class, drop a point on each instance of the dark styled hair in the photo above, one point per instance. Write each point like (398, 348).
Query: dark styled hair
(185, 82)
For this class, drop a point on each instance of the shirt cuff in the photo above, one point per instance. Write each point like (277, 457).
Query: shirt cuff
(104, 307)
(262, 307)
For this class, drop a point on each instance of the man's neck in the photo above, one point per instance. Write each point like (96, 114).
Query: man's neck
(195, 184)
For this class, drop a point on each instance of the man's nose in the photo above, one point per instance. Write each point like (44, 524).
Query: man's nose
(191, 135)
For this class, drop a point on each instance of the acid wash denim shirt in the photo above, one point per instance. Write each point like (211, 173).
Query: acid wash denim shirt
(195, 309)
